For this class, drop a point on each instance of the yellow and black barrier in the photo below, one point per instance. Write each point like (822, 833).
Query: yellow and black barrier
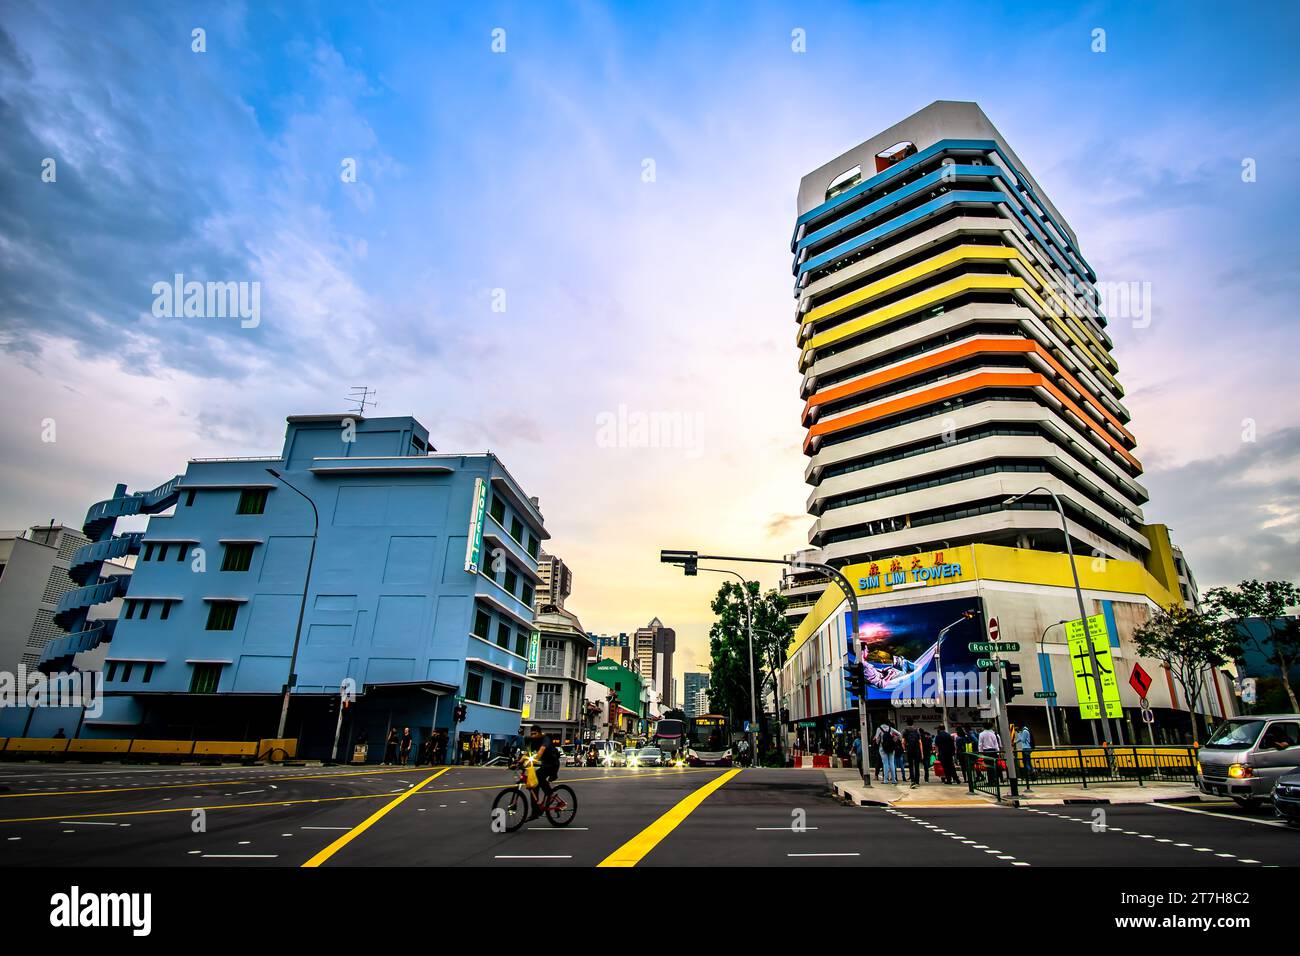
(147, 750)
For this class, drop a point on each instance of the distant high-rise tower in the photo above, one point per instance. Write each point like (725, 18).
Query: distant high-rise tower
(653, 649)
(696, 681)
(556, 582)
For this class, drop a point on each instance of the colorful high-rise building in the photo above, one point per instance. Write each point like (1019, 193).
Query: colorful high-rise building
(957, 373)
(953, 353)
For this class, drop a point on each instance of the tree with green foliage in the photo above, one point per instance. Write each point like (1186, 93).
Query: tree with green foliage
(674, 713)
(1277, 637)
(1189, 643)
(728, 646)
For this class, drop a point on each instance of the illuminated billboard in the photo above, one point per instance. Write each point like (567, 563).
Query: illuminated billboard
(901, 651)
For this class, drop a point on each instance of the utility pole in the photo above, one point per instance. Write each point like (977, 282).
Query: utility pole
(1083, 615)
(689, 561)
(302, 607)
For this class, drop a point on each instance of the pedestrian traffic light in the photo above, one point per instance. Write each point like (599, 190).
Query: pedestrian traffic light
(1011, 686)
(856, 676)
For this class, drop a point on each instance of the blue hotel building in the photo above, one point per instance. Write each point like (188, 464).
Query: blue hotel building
(421, 591)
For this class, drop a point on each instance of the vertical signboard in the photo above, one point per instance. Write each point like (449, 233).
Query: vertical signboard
(474, 546)
(534, 651)
(1084, 685)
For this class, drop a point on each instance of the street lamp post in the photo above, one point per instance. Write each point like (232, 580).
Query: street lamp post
(938, 664)
(1083, 615)
(689, 560)
(1051, 701)
(302, 608)
(749, 636)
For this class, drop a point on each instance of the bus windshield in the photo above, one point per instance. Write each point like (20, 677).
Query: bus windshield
(669, 734)
(709, 733)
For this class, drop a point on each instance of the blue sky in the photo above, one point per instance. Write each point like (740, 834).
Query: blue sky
(523, 171)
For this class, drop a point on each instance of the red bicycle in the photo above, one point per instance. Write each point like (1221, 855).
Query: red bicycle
(514, 804)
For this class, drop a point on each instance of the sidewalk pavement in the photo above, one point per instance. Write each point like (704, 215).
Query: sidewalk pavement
(848, 787)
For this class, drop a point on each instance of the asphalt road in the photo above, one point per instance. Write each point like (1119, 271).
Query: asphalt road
(110, 815)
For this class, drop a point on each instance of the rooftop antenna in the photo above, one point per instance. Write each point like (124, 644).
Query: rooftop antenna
(360, 396)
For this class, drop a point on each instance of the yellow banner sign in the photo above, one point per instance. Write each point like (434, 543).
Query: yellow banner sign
(1084, 685)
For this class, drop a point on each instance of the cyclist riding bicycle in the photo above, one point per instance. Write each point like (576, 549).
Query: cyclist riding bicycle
(546, 759)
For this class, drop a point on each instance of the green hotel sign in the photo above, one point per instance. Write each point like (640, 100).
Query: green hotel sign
(474, 546)
(534, 651)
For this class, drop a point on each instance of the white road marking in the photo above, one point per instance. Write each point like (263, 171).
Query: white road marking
(1225, 816)
(554, 829)
(85, 823)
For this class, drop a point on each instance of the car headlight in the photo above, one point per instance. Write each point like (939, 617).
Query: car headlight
(1240, 771)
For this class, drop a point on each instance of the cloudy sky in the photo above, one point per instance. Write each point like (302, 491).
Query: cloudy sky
(621, 177)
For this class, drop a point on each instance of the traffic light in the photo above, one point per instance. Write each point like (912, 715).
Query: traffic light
(856, 676)
(687, 559)
(1011, 686)
(460, 713)
(785, 715)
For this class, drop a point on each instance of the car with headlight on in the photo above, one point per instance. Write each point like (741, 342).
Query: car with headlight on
(1246, 756)
(649, 757)
(1286, 797)
(609, 753)
(629, 757)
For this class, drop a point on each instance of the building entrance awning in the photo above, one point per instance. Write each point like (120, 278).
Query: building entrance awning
(437, 688)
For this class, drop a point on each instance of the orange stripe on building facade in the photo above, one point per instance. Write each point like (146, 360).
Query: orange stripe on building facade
(960, 387)
(938, 357)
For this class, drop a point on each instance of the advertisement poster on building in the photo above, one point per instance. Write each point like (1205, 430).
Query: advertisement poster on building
(899, 648)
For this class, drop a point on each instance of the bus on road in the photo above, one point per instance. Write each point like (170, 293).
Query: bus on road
(708, 741)
(670, 735)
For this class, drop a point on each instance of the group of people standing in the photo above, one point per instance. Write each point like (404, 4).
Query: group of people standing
(913, 751)
(398, 748)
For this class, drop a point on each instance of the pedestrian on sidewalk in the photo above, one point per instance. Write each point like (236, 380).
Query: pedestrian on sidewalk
(1025, 744)
(945, 748)
(857, 754)
(912, 746)
(887, 744)
(927, 752)
(991, 747)
(404, 746)
(390, 747)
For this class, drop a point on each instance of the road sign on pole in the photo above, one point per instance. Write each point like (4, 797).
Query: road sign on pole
(1083, 650)
(1140, 680)
(993, 629)
(1148, 717)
